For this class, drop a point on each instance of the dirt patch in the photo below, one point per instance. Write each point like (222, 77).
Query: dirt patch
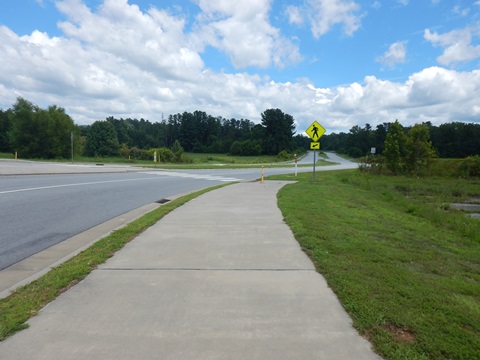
(69, 286)
(402, 335)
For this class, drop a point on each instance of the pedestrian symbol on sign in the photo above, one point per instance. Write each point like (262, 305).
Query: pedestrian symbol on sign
(315, 131)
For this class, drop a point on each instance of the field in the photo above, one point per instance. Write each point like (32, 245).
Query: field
(403, 262)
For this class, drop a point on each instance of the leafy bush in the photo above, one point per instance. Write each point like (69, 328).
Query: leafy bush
(283, 155)
(470, 166)
(165, 155)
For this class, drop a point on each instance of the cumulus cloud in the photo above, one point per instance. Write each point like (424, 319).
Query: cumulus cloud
(153, 41)
(434, 94)
(457, 44)
(396, 54)
(242, 30)
(324, 14)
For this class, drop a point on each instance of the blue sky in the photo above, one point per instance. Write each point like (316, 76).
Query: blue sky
(340, 62)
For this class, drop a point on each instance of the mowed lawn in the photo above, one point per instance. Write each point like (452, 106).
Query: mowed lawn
(403, 262)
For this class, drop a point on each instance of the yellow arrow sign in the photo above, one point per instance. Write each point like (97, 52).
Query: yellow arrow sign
(315, 145)
(315, 131)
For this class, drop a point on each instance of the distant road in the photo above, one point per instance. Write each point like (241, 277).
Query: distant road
(38, 211)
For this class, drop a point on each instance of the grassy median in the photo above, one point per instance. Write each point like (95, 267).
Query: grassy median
(26, 301)
(403, 262)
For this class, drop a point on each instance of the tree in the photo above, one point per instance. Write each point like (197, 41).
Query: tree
(379, 136)
(102, 140)
(23, 131)
(4, 129)
(177, 150)
(360, 140)
(39, 133)
(418, 149)
(279, 129)
(456, 140)
(395, 148)
(58, 133)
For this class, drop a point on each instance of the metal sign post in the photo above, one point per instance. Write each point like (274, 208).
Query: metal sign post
(315, 131)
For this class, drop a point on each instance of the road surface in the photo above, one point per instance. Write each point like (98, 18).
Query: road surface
(39, 211)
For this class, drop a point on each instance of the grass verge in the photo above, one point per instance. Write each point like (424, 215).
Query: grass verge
(26, 301)
(405, 268)
(193, 161)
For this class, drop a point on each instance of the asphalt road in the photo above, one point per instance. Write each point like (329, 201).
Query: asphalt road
(38, 211)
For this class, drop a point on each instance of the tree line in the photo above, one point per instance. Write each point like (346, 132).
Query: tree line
(196, 132)
(450, 140)
(46, 133)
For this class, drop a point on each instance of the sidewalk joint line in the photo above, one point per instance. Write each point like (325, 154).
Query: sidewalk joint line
(201, 269)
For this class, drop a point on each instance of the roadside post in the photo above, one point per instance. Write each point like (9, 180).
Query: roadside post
(296, 161)
(315, 131)
(155, 157)
(372, 151)
(263, 175)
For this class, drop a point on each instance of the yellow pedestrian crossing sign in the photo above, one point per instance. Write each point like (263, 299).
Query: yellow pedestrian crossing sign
(315, 131)
(315, 145)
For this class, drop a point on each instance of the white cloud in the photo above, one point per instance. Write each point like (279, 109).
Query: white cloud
(153, 41)
(294, 14)
(396, 54)
(242, 30)
(324, 14)
(457, 44)
(457, 10)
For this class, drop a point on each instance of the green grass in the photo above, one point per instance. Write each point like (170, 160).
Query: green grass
(406, 270)
(26, 301)
(230, 159)
(7, 156)
(193, 161)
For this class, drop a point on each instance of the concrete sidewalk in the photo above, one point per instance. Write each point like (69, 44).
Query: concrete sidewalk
(219, 278)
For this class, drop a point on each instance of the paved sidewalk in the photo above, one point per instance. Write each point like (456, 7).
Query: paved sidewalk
(219, 278)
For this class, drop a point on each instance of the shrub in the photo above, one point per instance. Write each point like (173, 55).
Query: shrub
(165, 155)
(283, 155)
(470, 166)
